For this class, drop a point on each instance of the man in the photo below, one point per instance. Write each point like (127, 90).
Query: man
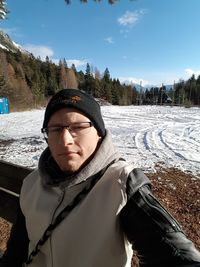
(85, 206)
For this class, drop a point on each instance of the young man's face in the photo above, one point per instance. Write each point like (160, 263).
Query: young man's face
(71, 153)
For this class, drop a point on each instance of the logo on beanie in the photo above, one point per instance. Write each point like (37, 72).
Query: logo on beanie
(62, 100)
(75, 99)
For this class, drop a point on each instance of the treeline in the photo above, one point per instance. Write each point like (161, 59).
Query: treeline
(186, 93)
(28, 81)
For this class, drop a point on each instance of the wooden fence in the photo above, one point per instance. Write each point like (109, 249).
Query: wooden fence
(11, 178)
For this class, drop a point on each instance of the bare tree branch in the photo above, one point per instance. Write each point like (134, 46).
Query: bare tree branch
(3, 9)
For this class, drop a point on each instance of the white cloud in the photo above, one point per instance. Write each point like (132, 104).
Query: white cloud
(41, 51)
(190, 72)
(129, 18)
(76, 62)
(133, 80)
(109, 40)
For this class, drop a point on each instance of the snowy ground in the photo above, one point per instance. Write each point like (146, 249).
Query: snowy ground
(145, 135)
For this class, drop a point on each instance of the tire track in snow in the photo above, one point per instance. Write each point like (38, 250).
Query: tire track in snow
(151, 142)
(159, 134)
(145, 135)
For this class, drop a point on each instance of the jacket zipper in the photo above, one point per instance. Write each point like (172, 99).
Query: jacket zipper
(161, 211)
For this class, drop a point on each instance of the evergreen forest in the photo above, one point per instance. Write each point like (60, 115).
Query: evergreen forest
(29, 82)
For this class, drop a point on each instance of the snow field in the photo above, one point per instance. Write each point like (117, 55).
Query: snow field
(145, 136)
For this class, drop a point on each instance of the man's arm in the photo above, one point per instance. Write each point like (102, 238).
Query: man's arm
(17, 247)
(153, 232)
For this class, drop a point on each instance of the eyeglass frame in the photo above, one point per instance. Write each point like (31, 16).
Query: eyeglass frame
(44, 130)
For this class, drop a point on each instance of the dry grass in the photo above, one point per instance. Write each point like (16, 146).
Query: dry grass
(5, 227)
(180, 194)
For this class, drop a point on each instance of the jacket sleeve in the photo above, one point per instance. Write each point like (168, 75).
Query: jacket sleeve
(17, 246)
(154, 234)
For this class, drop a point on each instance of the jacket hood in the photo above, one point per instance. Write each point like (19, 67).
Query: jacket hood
(52, 175)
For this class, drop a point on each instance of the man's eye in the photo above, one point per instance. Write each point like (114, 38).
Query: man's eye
(80, 126)
(77, 127)
(55, 129)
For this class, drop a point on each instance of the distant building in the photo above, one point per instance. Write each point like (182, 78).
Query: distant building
(163, 98)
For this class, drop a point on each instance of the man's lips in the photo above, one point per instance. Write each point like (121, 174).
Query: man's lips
(67, 153)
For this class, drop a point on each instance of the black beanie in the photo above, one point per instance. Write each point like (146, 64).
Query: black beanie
(74, 98)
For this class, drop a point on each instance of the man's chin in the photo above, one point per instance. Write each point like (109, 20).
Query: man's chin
(69, 168)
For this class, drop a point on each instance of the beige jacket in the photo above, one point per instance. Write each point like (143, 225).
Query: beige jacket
(90, 235)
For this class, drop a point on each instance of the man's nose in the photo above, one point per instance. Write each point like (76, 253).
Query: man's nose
(66, 137)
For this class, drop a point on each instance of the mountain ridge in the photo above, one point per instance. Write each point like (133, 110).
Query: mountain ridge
(8, 44)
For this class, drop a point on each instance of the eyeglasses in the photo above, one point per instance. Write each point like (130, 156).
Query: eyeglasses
(75, 129)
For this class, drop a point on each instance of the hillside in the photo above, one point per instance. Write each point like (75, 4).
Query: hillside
(7, 44)
(28, 81)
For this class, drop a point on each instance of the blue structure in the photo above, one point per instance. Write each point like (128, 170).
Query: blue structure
(4, 105)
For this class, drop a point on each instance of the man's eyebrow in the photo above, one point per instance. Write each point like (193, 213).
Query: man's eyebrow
(56, 125)
(65, 124)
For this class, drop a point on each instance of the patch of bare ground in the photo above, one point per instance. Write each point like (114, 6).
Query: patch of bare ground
(178, 191)
(5, 227)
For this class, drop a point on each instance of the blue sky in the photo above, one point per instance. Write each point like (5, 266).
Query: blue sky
(147, 41)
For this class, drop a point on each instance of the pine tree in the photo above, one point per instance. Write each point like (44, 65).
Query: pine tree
(65, 63)
(115, 92)
(52, 76)
(89, 83)
(74, 68)
(88, 70)
(198, 90)
(81, 79)
(106, 75)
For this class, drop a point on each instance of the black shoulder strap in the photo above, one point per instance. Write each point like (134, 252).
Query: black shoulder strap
(63, 214)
